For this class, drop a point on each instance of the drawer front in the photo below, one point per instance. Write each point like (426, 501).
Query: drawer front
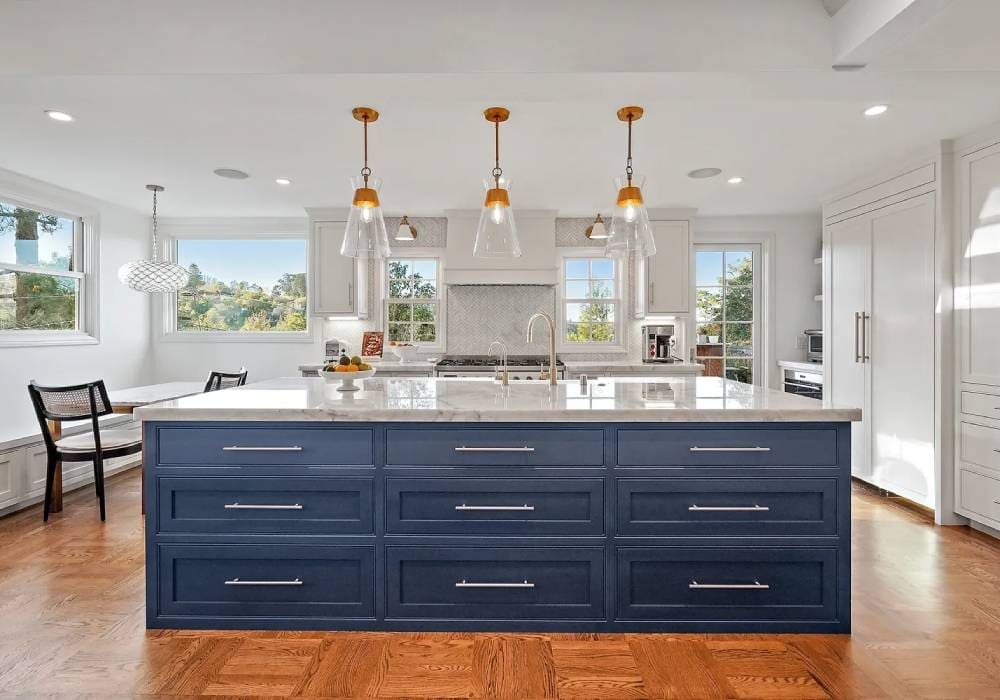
(266, 580)
(986, 405)
(726, 584)
(509, 447)
(980, 445)
(495, 583)
(730, 507)
(980, 494)
(466, 506)
(727, 446)
(264, 505)
(264, 446)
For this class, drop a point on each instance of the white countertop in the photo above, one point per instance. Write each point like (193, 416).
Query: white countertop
(814, 367)
(620, 399)
(634, 366)
(387, 365)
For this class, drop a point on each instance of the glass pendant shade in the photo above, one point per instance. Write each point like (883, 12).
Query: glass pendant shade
(365, 235)
(496, 235)
(153, 275)
(630, 230)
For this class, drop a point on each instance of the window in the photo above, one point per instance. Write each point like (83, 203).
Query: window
(728, 303)
(242, 286)
(590, 307)
(41, 273)
(413, 300)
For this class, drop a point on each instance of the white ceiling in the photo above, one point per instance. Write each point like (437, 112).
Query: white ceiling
(166, 92)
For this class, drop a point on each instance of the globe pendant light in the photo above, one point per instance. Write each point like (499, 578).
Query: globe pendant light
(630, 228)
(496, 235)
(365, 235)
(153, 275)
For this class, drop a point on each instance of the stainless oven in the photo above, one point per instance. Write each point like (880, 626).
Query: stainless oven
(808, 384)
(814, 344)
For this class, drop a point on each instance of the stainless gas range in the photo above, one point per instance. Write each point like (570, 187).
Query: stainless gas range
(520, 367)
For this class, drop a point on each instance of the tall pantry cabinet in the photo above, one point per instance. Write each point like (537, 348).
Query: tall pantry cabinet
(882, 334)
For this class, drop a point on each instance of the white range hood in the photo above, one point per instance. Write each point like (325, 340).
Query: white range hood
(536, 230)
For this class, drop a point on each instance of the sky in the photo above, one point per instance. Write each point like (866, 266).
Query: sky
(260, 261)
(59, 242)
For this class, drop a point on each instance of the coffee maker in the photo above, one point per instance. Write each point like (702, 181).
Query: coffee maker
(658, 344)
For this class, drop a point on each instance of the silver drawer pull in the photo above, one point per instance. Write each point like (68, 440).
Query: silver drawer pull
(463, 448)
(237, 448)
(755, 586)
(729, 449)
(261, 506)
(241, 582)
(467, 584)
(731, 509)
(519, 508)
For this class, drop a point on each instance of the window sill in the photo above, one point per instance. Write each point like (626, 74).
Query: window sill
(237, 337)
(588, 349)
(24, 339)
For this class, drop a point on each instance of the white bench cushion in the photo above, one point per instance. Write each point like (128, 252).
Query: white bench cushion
(110, 438)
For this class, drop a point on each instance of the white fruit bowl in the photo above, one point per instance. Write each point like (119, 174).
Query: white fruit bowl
(347, 379)
(405, 353)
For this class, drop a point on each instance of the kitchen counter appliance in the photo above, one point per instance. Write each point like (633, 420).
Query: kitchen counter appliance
(659, 344)
(808, 384)
(814, 344)
(520, 367)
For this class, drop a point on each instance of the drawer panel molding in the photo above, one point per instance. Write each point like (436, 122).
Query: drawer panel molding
(727, 446)
(264, 446)
(488, 446)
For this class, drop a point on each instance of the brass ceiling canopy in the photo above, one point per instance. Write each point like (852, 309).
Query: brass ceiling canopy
(496, 114)
(632, 113)
(365, 114)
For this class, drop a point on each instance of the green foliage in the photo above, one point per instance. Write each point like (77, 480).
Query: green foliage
(735, 305)
(208, 304)
(595, 323)
(410, 322)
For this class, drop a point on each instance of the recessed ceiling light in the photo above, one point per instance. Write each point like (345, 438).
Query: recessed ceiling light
(703, 173)
(282, 180)
(59, 116)
(876, 110)
(231, 173)
(735, 180)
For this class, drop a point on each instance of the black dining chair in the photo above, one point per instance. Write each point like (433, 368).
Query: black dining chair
(225, 380)
(80, 402)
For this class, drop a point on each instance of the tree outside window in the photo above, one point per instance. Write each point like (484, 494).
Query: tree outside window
(725, 312)
(412, 301)
(590, 303)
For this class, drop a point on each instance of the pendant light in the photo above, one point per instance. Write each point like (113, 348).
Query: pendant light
(596, 231)
(406, 231)
(496, 235)
(365, 235)
(153, 275)
(630, 229)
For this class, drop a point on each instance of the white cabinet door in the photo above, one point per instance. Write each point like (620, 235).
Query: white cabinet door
(847, 385)
(977, 297)
(335, 279)
(11, 468)
(668, 273)
(900, 337)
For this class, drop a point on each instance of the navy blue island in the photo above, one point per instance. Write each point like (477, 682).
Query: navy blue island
(681, 504)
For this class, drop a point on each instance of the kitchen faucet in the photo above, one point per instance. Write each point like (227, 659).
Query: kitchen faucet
(552, 344)
(503, 360)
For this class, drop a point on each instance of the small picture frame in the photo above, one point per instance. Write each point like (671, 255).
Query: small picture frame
(371, 343)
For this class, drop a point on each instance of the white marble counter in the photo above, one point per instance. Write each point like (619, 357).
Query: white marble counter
(413, 366)
(621, 399)
(599, 367)
(799, 366)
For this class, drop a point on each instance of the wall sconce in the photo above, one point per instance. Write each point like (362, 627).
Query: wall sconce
(405, 232)
(597, 231)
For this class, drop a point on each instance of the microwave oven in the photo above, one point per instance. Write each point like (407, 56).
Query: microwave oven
(814, 345)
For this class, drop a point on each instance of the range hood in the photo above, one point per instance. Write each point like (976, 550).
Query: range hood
(536, 230)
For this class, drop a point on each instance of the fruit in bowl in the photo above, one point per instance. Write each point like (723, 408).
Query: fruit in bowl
(346, 371)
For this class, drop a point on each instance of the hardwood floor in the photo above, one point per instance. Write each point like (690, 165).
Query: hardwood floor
(926, 621)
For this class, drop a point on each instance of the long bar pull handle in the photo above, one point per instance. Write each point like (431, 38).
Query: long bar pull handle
(857, 334)
(525, 448)
(525, 507)
(755, 448)
(471, 584)
(350, 294)
(651, 288)
(755, 586)
(865, 322)
(241, 582)
(261, 506)
(730, 509)
(238, 448)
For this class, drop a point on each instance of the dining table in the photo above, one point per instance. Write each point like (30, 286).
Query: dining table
(125, 401)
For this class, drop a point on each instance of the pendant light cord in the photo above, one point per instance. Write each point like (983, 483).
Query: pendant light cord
(497, 171)
(366, 171)
(156, 247)
(628, 163)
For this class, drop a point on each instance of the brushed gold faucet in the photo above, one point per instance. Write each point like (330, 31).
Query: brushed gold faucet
(503, 373)
(553, 377)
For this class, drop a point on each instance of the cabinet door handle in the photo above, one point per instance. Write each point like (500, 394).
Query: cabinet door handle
(865, 321)
(261, 506)
(525, 448)
(755, 586)
(241, 582)
(651, 296)
(471, 584)
(857, 334)
(729, 449)
(350, 294)
(730, 509)
(525, 507)
(237, 448)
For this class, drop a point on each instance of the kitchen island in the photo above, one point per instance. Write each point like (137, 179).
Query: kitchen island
(675, 504)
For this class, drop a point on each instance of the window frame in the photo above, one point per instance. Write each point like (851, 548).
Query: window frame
(172, 231)
(440, 300)
(86, 270)
(620, 275)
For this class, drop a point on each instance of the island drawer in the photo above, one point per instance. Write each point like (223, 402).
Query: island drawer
(486, 446)
(980, 445)
(727, 446)
(727, 507)
(726, 584)
(465, 506)
(495, 583)
(266, 580)
(264, 445)
(980, 494)
(265, 505)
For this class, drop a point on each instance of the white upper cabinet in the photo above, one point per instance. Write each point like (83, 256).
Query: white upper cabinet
(338, 283)
(666, 283)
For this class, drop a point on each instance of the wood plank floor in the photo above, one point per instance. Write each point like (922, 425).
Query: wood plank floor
(926, 620)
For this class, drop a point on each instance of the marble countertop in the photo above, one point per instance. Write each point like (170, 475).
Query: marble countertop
(619, 399)
(388, 365)
(637, 366)
(814, 367)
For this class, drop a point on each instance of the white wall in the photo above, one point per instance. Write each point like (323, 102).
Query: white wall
(180, 360)
(122, 356)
